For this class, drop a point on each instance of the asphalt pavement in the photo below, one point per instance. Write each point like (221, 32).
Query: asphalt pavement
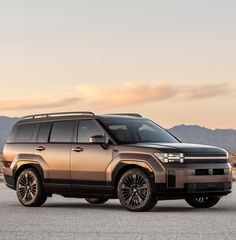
(64, 218)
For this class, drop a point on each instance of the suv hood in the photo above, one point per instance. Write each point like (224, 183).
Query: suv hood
(180, 147)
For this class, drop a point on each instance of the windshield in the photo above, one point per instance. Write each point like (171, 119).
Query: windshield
(137, 131)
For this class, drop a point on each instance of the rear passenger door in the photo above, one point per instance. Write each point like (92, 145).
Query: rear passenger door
(89, 165)
(54, 147)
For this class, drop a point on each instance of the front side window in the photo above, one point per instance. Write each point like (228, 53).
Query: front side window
(87, 129)
(63, 132)
(25, 133)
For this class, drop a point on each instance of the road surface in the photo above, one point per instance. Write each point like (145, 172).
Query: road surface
(63, 218)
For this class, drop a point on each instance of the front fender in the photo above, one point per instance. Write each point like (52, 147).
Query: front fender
(146, 161)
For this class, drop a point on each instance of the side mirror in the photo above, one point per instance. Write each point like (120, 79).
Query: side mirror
(97, 139)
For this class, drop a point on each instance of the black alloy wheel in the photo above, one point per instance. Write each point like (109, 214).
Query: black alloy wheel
(135, 191)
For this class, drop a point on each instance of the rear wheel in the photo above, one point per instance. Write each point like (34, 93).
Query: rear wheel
(202, 202)
(29, 188)
(135, 191)
(96, 200)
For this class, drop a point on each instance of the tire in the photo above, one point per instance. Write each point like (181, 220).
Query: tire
(202, 202)
(29, 188)
(134, 191)
(96, 200)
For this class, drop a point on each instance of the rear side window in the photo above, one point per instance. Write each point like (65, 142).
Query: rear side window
(26, 133)
(44, 131)
(63, 132)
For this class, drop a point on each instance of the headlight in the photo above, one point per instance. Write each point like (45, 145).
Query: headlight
(170, 157)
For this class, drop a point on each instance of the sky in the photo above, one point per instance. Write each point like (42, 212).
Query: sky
(171, 61)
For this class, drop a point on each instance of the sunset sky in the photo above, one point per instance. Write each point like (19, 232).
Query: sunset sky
(172, 61)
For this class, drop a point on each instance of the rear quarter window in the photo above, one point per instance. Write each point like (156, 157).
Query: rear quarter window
(25, 133)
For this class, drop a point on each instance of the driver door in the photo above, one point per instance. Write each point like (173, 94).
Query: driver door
(89, 161)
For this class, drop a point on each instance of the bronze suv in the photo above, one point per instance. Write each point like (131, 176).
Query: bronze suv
(100, 157)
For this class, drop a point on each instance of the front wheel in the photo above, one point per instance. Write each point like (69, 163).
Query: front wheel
(29, 188)
(135, 191)
(96, 200)
(202, 202)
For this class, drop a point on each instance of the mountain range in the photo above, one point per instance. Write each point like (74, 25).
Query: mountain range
(225, 138)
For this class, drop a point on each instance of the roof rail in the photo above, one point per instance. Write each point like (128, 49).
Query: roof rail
(47, 115)
(127, 114)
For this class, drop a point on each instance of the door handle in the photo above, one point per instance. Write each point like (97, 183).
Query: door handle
(40, 148)
(77, 149)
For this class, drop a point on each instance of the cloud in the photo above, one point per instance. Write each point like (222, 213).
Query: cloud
(207, 91)
(140, 93)
(128, 94)
(99, 98)
(38, 103)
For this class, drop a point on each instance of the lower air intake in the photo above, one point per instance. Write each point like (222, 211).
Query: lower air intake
(208, 187)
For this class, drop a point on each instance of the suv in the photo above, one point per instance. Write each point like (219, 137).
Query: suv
(99, 157)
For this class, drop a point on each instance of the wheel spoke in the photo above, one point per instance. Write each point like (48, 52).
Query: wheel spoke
(31, 195)
(22, 192)
(23, 180)
(142, 195)
(25, 196)
(27, 178)
(134, 179)
(131, 202)
(21, 186)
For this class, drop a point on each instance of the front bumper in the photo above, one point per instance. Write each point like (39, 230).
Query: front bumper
(186, 180)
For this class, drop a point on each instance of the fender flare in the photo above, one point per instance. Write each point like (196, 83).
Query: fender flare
(21, 165)
(124, 165)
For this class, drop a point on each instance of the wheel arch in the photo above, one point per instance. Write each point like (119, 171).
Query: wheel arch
(21, 166)
(124, 166)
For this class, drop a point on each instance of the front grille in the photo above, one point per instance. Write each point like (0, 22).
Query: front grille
(208, 187)
(194, 158)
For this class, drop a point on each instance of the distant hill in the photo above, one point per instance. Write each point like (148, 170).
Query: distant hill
(225, 138)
